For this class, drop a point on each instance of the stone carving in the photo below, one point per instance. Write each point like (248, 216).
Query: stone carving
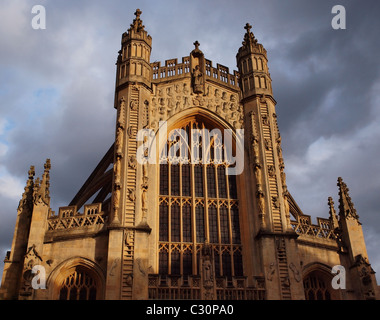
(132, 162)
(272, 270)
(116, 200)
(283, 179)
(267, 143)
(121, 114)
(134, 105)
(141, 264)
(119, 142)
(131, 194)
(146, 115)
(258, 174)
(255, 148)
(296, 273)
(286, 205)
(132, 131)
(261, 203)
(198, 101)
(128, 237)
(144, 191)
(129, 279)
(276, 202)
(31, 259)
(364, 268)
(197, 80)
(261, 206)
(286, 282)
(280, 244)
(137, 25)
(265, 120)
(117, 172)
(173, 99)
(208, 276)
(279, 150)
(41, 191)
(115, 262)
(27, 197)
(271, 171)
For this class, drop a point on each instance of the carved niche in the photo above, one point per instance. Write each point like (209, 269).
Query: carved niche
(198, 70)
(31, 259)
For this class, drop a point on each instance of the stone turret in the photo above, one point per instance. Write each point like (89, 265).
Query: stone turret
(13, 262)
(355, 256)
(253, 66)
(270, 194)
(28, 239)
(133, 62)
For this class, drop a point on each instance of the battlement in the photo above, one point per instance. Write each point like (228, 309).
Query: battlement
(172, 70)
(322, 230)
(69, 217)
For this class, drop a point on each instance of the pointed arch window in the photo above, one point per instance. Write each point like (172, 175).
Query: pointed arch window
(317, 286)
(78, 285)
(198, 203)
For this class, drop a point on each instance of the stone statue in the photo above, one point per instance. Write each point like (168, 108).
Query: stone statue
(197, 80)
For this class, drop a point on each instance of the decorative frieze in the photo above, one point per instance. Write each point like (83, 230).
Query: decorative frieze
(172, 99)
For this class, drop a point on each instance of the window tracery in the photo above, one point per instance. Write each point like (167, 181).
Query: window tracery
(317, 287)
(198, 204)
(78, 285)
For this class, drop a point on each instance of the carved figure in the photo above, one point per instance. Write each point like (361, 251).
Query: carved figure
(131, 194)
(258, 174)
(197, 80)
(261, 201)
(134, 104)
(132, 162)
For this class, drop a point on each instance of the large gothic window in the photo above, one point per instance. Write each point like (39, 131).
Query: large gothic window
(197, 204)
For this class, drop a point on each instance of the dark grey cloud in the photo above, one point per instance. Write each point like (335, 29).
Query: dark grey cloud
(57, 86)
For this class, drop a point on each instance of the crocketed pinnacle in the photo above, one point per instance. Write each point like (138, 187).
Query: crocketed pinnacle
(346, 207)
(332, 213)
(249, 38)
(137, 25)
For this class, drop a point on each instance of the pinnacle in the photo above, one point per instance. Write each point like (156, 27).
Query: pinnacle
(137, 22)
(248, 27)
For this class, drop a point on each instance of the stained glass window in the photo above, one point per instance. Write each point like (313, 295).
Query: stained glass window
(198, 203)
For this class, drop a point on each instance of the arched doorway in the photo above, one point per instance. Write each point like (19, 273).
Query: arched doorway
(80, 284)
(77, 279)
(317, 286)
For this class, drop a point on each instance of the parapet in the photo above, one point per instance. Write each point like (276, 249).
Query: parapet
(172, 70)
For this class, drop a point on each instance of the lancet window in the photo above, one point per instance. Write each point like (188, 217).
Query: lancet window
(198, 204)
(78, 285)
(317, 287)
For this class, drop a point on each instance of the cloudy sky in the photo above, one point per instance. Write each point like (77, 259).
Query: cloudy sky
(57, 87)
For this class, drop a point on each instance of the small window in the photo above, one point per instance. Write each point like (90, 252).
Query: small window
(79, 285)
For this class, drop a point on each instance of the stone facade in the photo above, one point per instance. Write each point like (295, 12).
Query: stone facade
(166, 230)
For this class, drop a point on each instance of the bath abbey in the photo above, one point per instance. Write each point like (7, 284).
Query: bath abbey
(191, 199)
